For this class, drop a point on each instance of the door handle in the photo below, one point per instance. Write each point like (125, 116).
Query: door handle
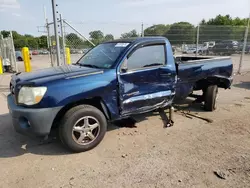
(167, 74)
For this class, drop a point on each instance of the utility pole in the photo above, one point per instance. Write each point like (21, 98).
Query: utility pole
(48, 36)
(142, 30)
(63, 39)
(244, 45)
(197, 40)
(46, 24)
(56, 32)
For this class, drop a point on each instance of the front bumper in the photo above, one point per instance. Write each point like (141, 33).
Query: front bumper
(32, 121)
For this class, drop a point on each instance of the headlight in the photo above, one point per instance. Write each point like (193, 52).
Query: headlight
(31, 95)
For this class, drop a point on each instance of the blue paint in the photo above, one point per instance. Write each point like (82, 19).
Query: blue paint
(125, 93)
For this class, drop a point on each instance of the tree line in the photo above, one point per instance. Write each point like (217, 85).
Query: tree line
(26, 40)
(215, 29)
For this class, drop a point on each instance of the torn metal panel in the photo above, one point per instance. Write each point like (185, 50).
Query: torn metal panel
(147, 108)
(162, 94)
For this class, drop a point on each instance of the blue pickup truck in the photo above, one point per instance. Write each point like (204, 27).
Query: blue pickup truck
(112, 81)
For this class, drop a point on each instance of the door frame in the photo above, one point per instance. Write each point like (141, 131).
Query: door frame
(141, 45)
(127, 55)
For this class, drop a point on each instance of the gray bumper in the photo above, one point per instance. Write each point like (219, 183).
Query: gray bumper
(32, 121)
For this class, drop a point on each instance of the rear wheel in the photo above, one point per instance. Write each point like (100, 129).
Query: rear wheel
(83, 128)
(211, 98)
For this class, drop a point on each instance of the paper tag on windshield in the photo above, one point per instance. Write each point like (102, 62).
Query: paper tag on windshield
(121, 44)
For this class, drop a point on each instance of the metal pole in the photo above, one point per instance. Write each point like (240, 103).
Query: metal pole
(63, 40)
(79, 33)
(48, 36)
(197, 39)
(142, 30)
(244, 45)
(56, 33)
(13, 50)
(46, 24)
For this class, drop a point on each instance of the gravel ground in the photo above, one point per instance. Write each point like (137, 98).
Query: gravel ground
(192, 153)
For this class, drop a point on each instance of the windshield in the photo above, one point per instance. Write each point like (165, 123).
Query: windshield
(103, 55)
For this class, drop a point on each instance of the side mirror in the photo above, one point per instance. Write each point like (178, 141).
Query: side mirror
(124, 67)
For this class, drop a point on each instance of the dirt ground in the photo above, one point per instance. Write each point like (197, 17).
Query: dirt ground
(192, 153)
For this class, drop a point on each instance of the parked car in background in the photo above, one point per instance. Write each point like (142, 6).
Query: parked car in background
(240, 48)
(76, 51)
(189, 51)
(44, 52)
(206, 48)
(19, 56)
(35, 52)
(226, 47)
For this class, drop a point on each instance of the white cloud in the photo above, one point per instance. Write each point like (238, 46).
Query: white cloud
(2, 10)
(16, 14)
(9, 4)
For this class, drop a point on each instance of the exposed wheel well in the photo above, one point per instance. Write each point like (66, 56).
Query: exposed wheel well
(204, 83)
(96, 102)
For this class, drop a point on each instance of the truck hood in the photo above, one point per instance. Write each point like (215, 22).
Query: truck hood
(55, 73)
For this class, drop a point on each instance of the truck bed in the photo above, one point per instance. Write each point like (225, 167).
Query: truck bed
(193, 70)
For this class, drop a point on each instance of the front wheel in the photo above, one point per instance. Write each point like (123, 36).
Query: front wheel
(83, 128)
(211, 97)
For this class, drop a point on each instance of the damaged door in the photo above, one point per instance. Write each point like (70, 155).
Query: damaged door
(145, 80)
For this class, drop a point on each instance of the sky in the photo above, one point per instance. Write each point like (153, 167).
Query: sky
(113, 16)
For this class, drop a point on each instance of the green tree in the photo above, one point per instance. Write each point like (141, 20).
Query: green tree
(74, 41)
(222, 28)
(42, 41)
(108, 37)
(181, 32)
(130, 34)
(20, 43)
(28, 36)
(16, 35)
(32, 43)
(96, 36)
(220, 20)
(5, 33)
(156, 30)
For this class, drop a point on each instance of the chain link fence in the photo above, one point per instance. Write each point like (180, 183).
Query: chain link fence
(209, 40)
(69, 37)
(186, 39)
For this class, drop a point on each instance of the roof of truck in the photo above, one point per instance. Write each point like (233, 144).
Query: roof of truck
(138, 39)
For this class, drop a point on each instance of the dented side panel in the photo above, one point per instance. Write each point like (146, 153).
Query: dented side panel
(148, 89)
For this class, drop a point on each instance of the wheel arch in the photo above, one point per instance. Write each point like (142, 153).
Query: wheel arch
(94, 101)
(220, 81)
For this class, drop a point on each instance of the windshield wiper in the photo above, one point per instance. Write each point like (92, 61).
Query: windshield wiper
(89, 65)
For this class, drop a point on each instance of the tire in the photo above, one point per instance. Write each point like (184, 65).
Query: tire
(73, 139)
(19, 58)
(211, 97)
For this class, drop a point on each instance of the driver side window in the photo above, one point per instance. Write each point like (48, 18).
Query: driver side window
(147, 56)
